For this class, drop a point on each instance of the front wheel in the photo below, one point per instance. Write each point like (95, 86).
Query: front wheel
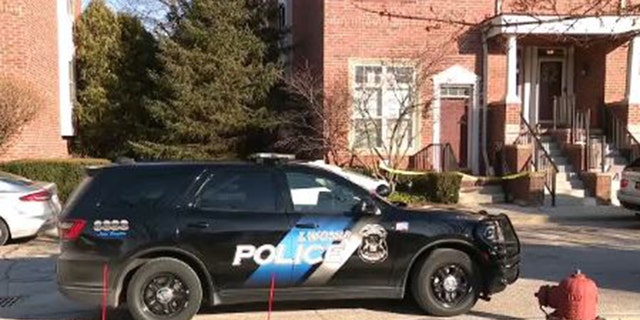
(164, 288)
(446, 284)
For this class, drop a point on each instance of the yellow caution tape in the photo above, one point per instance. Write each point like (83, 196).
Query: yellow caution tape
(463, 175)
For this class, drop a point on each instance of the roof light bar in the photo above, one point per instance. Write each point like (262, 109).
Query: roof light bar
(267, 157)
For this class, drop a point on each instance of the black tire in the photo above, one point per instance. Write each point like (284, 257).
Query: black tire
(5, 233)
(428, 288)
(147, 279)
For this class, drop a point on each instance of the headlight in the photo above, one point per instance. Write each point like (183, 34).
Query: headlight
(491, 232)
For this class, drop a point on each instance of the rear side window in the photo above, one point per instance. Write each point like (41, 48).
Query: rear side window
(146, 189)
(247, 191)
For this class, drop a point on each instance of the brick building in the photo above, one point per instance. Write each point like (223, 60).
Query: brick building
(487, 76)
(36, 46)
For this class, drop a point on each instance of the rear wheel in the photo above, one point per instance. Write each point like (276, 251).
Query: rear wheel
(164, 288)
(446, 284)
(5, 234)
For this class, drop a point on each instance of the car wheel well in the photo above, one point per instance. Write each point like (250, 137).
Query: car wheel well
(9, 237)
(205, 282)
(424, 255)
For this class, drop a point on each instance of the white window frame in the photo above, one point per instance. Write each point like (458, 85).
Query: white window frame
(385, 115)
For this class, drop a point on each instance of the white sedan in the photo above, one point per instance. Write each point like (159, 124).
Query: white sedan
(379, 186)
(25, 206)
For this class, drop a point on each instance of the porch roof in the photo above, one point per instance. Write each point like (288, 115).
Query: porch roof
(525, 24)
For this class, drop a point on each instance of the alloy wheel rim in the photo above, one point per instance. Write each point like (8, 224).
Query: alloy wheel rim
(450, 285)
(165, 295)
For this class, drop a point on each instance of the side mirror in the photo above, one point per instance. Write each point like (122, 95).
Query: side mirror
(368, 208)
(383, 190)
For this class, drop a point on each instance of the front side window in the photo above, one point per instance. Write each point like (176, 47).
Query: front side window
(316, 194)
(239, 191)
(384, 107)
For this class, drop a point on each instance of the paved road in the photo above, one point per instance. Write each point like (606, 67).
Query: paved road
(606, 249)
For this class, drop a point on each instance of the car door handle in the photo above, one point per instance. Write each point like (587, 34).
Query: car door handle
(198, 225)
(306, 226)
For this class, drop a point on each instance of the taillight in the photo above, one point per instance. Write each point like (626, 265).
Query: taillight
(41, 195)
(624, 183)
(71, 229)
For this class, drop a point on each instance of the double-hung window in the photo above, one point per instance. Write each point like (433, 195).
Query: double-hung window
(384, 114)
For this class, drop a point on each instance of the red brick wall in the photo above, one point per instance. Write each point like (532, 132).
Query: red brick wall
(308, 34)
(561, 6)
(616, 72)
(28, 49)
(589, 79)
(353, 34)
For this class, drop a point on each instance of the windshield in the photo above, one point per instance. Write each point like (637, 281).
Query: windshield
(358, 174)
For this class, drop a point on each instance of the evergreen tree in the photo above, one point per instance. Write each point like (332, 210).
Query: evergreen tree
(96, 36)
(213, 82)
(113, 60)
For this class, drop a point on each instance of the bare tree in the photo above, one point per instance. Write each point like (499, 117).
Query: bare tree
(317, 122)
(365, 121)
(388, 100)
(19, 102)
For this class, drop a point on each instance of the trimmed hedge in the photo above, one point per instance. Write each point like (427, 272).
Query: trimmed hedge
(65, 173)
(435, 187)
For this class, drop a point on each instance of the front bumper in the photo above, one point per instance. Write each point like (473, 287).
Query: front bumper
(501, 274)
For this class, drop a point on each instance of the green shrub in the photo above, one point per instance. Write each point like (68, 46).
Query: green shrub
(435, 187)
(65, 173)
(408, 198)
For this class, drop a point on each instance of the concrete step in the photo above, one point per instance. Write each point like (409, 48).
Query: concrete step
(568, 200)
(481, 194)
(570, 184)
(616, 160)
(478, 198)
(565, 168)
(555, 152)
(560, 160)
(566, 176)
(546, 138)
(491, 189)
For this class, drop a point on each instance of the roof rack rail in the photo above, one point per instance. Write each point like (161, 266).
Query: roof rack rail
(271, 158)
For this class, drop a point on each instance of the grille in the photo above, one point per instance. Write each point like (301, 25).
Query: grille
(8, 302)
(510, 238)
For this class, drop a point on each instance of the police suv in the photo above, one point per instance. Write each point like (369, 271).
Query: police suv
(164, 238)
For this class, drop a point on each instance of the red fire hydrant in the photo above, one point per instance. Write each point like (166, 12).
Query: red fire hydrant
(576, 298)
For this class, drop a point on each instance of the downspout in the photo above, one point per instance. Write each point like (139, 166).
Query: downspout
(485, 75)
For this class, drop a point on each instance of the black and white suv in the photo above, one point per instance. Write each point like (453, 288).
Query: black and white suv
(168, 237)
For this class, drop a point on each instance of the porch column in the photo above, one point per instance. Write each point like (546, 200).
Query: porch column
(633, 87)
(633, 72)
(512, 70)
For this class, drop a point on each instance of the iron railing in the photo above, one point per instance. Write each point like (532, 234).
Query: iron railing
(438, 157)
(541, 160)
(620, 137)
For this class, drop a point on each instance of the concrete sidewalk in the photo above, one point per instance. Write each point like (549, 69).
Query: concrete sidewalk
(561, 214)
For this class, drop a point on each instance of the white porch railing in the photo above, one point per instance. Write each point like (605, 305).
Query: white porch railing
(564, 108)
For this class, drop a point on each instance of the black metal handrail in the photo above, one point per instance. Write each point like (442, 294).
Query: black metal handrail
(542, 161)
(435, 157)
(619, 136)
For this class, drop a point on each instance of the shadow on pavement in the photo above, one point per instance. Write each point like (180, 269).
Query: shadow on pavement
(610, 268)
